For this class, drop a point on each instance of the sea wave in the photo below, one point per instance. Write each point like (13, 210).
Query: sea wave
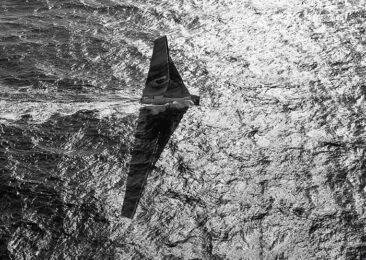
(271, 165)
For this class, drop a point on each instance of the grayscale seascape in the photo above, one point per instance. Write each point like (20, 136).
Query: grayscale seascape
(271, 165)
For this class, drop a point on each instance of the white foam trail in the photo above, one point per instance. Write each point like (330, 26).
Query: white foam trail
(42, 111)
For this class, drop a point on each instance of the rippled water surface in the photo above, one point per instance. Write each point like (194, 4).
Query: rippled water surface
(270, 166)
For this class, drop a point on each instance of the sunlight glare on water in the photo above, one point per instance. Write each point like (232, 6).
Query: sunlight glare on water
(270, 166)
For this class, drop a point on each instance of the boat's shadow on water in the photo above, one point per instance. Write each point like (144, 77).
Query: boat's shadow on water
(152, 134)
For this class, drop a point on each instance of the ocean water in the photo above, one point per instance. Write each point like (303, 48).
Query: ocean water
(271, 165)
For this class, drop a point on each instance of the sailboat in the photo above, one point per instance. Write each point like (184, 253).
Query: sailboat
(164, 87)
(164, 84)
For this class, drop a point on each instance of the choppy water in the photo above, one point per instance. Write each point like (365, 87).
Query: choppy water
(270, 166)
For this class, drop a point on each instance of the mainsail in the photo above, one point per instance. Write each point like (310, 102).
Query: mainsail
(163, 84)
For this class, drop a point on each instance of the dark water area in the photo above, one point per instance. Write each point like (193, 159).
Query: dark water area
(60, 46)
(270, 166)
